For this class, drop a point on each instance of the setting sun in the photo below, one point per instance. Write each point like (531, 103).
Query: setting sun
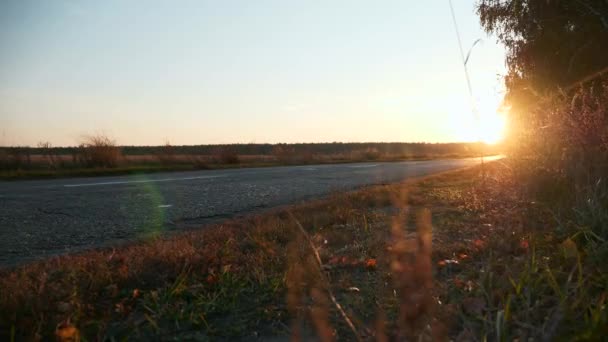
(491, 128)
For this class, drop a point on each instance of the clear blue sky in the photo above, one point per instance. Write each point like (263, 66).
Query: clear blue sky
(194, 72)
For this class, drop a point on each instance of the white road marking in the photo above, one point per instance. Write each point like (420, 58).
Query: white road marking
(140, 181)
(361, 166)
(165, 205)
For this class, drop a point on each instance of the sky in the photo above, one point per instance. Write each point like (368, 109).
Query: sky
(267, 71)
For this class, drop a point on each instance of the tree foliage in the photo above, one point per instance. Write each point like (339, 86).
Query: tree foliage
(551, 44)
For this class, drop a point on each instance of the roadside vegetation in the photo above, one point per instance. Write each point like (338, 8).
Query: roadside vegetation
(100, 155)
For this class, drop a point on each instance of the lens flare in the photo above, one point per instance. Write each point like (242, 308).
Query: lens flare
(145, 209)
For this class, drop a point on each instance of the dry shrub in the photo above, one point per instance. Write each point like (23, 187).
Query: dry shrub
(227, 155)
(166, 155)
(98, 151)
(283, 153)
(51, 159)
(370, 153)
(15, 158)
(561, 155)
(4, 159)
(199, 162)
(288, 154)
(570, 137)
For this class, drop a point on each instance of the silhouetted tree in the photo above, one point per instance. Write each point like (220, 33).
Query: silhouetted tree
(551, 44)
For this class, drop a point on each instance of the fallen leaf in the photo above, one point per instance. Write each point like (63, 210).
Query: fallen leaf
(371, 263)
(66, 332)
(479, 243)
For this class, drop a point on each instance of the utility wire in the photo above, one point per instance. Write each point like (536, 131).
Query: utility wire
(465, 60)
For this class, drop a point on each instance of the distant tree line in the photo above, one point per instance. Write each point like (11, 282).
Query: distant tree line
(394, 148)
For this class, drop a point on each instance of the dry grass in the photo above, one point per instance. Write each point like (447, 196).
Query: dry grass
(449, 256)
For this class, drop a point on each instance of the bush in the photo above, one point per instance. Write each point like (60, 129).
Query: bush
(227, 155)
(48, 154)
(98, 151)
(4, 159)
(199, 162)
(562, 149)
(370, 154)
(288, 154)
(15, 158)
(284, 153)
(166, 155)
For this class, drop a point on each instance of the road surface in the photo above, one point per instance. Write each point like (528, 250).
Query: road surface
(42, 218)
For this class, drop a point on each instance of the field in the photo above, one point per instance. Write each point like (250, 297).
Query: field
(101, 156)
(460, 255)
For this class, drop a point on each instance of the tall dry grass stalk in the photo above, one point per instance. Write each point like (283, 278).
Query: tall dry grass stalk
(408, 256)
(306, 273)
(411, 267)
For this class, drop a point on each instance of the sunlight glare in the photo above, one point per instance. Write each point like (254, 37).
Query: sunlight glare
(489, 129)
(492, 128)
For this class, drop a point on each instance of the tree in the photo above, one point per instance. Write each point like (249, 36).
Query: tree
(551, 44)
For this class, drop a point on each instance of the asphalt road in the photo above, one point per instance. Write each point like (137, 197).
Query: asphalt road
(42, 218)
